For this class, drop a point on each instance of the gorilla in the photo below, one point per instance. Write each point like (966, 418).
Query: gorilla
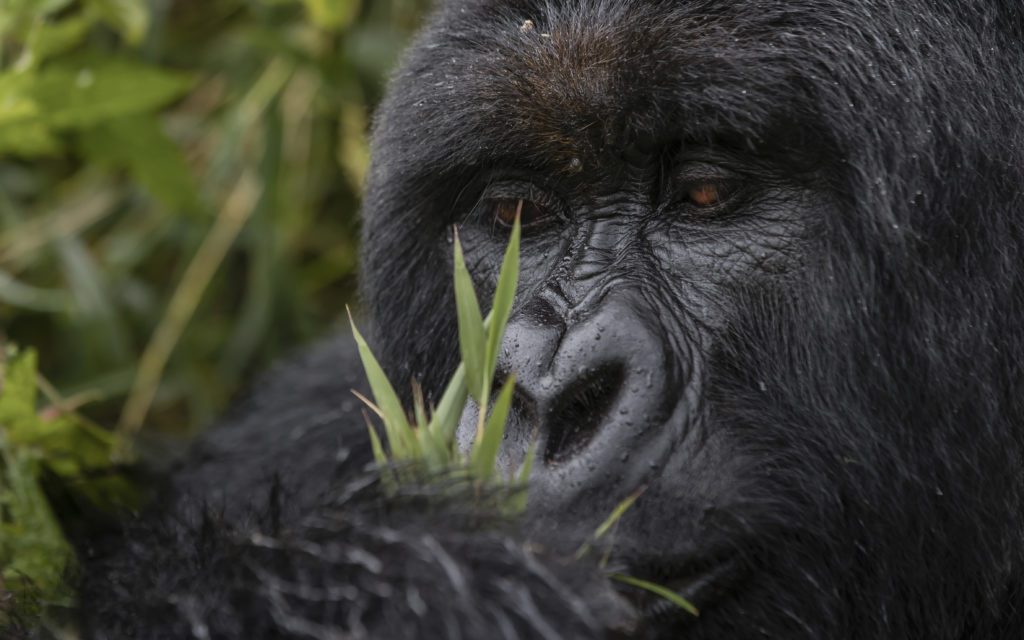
(772, 276)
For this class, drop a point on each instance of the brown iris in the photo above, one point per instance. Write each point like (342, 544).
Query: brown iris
(506, 210)
(705, 195)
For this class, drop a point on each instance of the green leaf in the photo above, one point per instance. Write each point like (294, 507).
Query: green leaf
(17, 389)
(332, 14)
(84, 94)
(445, 419)
(658, 590)
(28, 140)
(434, 453)
(33, 552)
(504, 296)
(519, 499)
(17, 15)
(137, 143)
(16, 105)
(524, 471)
(419, 406)
(130, 18)
(387, 474)
(471, 330)
(396, 424)
(375, 444)
(71, 444)
(22, 130)
(54, 38)
(485, 450)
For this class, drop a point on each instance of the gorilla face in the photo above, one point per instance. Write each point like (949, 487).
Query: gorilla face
(629, 275)
(768, 276)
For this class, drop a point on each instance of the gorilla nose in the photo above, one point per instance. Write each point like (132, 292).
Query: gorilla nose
(589, 394)
(569, 411)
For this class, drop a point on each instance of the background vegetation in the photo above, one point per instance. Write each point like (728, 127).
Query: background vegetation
(178, 187)
(179, 181)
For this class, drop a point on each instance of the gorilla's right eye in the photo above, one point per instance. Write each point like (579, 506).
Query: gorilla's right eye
(530, 213)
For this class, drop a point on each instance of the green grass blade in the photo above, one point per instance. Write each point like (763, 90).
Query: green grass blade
(609, 522)
(658, 590)
(471, 328)
(485, 449)
(419, 406)
(504, 296)
(445, 419)
(524, 471)
(375, 444)
(519, 499)
(387, 475)
(434, 453)
(616, 515)
(398, 440)
(396, 424)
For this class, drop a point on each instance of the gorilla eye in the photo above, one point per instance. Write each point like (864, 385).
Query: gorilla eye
(706, 194)
(705, 188)
(506, 210)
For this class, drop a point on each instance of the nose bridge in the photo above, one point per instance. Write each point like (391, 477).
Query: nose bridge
(588, 264)
(532, 340)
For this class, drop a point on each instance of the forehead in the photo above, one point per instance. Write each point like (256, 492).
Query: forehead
(563, 82)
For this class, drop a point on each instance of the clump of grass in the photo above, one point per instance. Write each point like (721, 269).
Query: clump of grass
(426, 438)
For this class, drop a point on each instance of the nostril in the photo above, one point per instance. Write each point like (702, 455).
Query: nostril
(579, 410)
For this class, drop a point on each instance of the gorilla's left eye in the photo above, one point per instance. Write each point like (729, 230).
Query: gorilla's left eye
(530, 213)
(706, 194)
(706, 188)
(709, 194)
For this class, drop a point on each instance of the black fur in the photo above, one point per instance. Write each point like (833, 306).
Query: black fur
(852, 455)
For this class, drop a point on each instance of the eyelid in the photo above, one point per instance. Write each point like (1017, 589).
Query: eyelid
(700, 172)
(525, 190)
(696, 174)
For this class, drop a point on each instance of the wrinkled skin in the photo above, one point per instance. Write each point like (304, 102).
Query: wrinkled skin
(771, 276)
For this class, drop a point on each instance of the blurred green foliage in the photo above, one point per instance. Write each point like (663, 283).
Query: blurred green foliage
(40, 445)
(178, 187)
